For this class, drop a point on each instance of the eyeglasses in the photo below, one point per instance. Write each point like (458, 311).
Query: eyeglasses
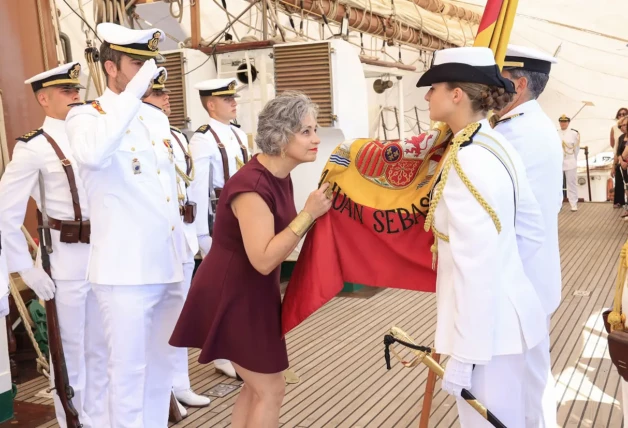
(622, 114)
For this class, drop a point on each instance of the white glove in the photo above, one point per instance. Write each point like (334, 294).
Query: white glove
(204, 243)
(38, 280)
(4, 306)
(142, 80)
(457, 376)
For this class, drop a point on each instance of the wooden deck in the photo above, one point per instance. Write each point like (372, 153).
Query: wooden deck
(338, 352)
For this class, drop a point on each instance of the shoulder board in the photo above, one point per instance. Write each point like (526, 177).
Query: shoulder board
(506, 119)
(203, 129)
(173, 128)
(237, 125)
(82, 103)
(575, 130)
(30, 135)
(465, 138)
(93, 103)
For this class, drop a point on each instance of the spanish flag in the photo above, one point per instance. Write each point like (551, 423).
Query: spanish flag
(495, 27)
(373, 235)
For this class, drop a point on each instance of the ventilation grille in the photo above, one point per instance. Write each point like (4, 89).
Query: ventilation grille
(176, 84)
(307, 68)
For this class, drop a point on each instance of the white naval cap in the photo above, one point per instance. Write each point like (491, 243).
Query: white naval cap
(468, 64)
(217, 88)
(159, 80)
(138, 44)
(532, 59)
(64, 75)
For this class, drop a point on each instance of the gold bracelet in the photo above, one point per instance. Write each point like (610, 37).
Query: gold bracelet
(301, 224)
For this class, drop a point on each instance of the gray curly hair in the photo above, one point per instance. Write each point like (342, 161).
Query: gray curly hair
(281, 118)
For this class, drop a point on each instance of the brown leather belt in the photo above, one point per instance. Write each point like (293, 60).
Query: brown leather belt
(72, 232)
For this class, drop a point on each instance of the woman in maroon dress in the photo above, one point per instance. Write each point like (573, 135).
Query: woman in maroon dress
(233, 310)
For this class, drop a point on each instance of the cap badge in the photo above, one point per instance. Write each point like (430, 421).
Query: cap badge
(75, 71)
(154, 42)
(161, 79)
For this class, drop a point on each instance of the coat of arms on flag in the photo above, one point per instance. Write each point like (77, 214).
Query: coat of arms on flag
(373, 235)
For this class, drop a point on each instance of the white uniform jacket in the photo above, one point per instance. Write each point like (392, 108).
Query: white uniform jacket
(204, 150)
(571, 147)
(191, 247)
(133, 230)
(486, 305)
(33, 153)
(533, 135)
(4, 271)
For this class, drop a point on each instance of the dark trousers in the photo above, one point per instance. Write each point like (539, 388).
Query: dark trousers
(621, 178)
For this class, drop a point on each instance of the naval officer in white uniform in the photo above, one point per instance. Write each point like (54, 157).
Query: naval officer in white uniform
(488, 313)
(532, 133)
(571, 147)
(218, 148)
(47, 150)
(134, 266)
(4, 282)
(157, 107)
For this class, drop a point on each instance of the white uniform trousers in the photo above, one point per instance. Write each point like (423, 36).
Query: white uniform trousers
(181, 377)
(572, 186)
(138, 322)
(499, 386)
(83, 340)
(540, 386)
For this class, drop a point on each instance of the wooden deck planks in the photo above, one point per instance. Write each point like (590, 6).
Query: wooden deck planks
(338, 352)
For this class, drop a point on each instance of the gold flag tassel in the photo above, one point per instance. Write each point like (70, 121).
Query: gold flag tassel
(424, 355)
(616, 318)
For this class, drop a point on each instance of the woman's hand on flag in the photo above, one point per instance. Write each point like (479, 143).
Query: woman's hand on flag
(319, 201)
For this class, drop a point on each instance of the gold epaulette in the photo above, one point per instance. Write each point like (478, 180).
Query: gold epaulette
(30, 135)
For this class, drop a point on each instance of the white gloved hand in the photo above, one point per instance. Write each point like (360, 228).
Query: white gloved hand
(142, 80)
(204, 243)
(38, 280)
(4, 306)
(457, 376)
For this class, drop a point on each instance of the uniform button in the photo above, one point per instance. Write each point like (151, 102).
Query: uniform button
(141, 118)
(158, 171)
(168, 199)
(172, 228)
(128, 131)
(153, 142)
(132, 149)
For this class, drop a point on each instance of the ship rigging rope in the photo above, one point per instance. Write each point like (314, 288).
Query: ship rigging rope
(41, 34)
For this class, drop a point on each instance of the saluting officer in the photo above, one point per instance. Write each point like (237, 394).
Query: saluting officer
(532, 133)
(571, 147)
(158, 110)
(47, 150)
(218, 149)
(134, 266)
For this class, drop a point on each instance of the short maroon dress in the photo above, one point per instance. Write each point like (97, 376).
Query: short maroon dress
(232, 311)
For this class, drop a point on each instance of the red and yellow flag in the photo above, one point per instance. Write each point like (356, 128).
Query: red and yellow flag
(495, 27)
(373, 235)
